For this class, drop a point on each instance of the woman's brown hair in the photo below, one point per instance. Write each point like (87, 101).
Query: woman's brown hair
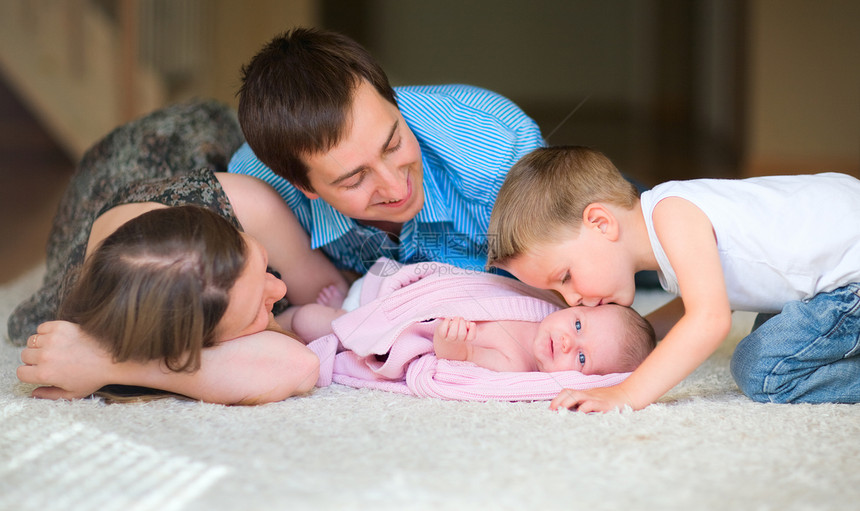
(158, 286)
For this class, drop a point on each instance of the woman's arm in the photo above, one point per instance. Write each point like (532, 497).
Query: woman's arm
(265, 216)
(260, 368)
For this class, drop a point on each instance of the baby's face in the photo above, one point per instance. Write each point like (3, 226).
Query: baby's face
(584, 339)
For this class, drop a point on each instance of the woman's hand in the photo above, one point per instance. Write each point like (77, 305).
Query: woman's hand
(66, 362)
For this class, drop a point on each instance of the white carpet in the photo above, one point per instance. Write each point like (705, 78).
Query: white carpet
(703, 446)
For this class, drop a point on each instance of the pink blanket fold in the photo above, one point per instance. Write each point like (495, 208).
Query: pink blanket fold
(386, 343)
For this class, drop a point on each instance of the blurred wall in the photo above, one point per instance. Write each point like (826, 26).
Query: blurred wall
(667, 88)
(803, 90)
(241, 28)
(652, 83)
(85, 66)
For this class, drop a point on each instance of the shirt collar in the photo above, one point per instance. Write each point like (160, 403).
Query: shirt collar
(434, 209)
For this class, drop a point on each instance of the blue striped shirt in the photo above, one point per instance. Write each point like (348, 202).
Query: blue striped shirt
(469, 139)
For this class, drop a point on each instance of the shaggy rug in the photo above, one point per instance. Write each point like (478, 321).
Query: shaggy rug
(703, 446)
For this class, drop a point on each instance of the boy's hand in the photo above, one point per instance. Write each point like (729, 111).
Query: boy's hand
(451, 337)
(593, 400)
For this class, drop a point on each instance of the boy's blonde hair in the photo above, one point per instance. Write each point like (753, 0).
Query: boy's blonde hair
(547, 191)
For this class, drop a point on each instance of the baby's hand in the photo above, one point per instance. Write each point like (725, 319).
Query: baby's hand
(331, 296)
(454, 330)
(451, 337)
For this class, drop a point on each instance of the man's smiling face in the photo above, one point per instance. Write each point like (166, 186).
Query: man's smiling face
(374, 174)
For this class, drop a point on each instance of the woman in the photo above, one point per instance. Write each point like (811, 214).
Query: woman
(136, 170)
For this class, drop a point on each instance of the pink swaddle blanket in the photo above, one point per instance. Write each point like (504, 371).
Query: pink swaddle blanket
(386, 343)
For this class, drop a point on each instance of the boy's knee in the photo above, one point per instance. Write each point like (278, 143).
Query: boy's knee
(747, 375)
(751, 369)
(760, 376)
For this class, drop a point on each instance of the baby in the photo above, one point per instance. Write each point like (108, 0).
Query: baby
(592, 340)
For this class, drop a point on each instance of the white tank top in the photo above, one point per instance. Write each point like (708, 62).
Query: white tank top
(780, 238)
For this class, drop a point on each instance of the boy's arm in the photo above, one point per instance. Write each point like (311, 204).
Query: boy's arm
(690, 244)
(263, 367)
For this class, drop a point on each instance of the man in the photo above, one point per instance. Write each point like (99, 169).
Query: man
(409, 173)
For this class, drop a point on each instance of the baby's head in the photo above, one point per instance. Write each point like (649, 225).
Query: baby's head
(593, 340)
(547, 191)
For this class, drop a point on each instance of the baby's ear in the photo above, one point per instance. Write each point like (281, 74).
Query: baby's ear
(598, 216)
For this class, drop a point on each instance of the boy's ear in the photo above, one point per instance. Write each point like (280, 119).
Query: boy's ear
(598, 216)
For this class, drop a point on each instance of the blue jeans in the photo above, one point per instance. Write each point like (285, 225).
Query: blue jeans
(809, 353)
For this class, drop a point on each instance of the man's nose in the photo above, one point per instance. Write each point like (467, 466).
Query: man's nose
(391, 182)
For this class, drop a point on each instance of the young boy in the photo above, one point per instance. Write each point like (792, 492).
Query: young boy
(566, 220)
(508, 329)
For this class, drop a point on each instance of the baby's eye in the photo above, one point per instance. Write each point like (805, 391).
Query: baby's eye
(578, 326)
(582, 359)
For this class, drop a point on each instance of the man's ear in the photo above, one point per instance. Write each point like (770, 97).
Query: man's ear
(308, 193)
(599, 216)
